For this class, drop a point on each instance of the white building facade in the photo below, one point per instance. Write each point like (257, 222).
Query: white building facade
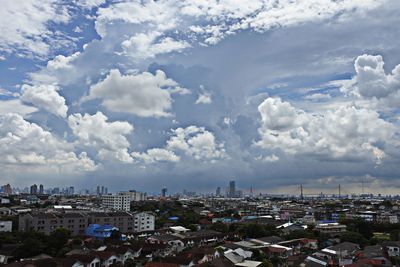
(143, 221)
(5, 226)
(117, 202)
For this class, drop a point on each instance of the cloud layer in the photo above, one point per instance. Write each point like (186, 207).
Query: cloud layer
(270, 93)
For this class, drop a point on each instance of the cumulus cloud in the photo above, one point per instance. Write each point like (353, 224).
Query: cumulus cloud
(45, 97)
(148, 45)
(279, 115)
(109, 138)
(192, 141)
(196, 142)
(24, 143)
(204, 97)
(346, 132)
(155, 155)
(372, 83)
(24, 26)
(143, 94)
(59, 70)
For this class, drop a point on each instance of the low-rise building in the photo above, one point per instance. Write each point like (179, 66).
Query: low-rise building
(77, 222)
(331, 228)
(48, 222)
(5, 226)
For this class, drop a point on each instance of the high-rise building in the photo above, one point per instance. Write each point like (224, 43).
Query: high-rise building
(71, 190)
(98, 190)
(102, 190)
(55, 191)
(218, 192)
(7, 189)
(135, 195)
(164, 192)
(34, 189)
(41, 189)
(232, 189)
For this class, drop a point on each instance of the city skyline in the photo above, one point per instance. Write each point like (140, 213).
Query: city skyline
(188, 95)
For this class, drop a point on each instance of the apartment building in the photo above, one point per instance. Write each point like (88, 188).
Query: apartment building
(77, 222)
(120, 201)
(143, 221)
(47, 222)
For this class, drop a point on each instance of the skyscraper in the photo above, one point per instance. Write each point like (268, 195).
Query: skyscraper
(7, 189)
(164, 192)
(41, 189)
(218, 192)
(232, 189)
(34, 189)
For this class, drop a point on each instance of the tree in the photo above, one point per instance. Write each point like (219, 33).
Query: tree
(30, 247)
(253, 230)
(299, 234)
(129, 263)
(395, 235)
(355, 238)
(267, 263)
(115, 235)
(57, 240)
(220, 227)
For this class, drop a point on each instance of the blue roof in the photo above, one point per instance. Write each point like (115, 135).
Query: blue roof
(100, 231)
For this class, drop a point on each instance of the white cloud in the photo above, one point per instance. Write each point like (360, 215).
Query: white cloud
(90, 3)
(345, 132)
(158, 15)
(288, 13)
(142, 46)
(24, 143)
(155, 155)
(109, 138)
(15, 106)
(318, 97)
(24, 26)
(142, 94)
(193, 141)
(271, 158)
(196, 142)
(372, 83)
(209, 22)
(45, 97)
(204, 97)
(278, 115)
(5, 92)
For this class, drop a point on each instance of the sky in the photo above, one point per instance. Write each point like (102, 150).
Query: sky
(189, 94)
